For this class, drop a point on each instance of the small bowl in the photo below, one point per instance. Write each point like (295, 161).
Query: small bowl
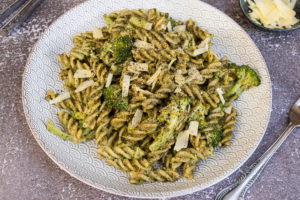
(246, 10)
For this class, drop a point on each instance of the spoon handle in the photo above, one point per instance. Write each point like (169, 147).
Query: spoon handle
(237, 190)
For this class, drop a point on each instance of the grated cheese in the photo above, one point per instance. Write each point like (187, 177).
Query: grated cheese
(125, 85)
(180, 28)
(171, 63)
(182, 141)
(83, 73)
(228, 109)
(169, 26)
(179, 78)
(148, 26)
(137, 67)
(194, 74)
(220, 93)
(273, 13)
(177, 90)
(143, 44)
(193, 128)
(202, 47)
(109, 79)
(84, 85)
(137, 118)
(154, 77)
(60, 98)
(97, 33)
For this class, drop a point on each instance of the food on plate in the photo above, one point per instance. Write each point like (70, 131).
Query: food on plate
(275, 14)
(150, 92)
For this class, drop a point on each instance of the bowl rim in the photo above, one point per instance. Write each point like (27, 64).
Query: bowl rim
(261, 26)
(154, 196)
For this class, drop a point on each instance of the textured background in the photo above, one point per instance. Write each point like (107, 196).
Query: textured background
(25, 169)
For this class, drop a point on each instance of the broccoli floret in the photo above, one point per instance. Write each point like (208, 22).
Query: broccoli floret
(121, 47)
(138, 22)
(198, 114)
(113, 98)
(56, 131)
(108, 20)
(245, 78)
(172, 115)
(214, 137)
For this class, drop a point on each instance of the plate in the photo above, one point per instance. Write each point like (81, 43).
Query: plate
(81, 161)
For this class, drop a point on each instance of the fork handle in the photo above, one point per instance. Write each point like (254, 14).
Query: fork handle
(235, 193)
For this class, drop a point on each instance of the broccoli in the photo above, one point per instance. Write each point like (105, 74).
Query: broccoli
(108, 20)
(56, 131)
(214, 137)
(138, 22)
(172, 115)
(121, 48)
(198, 114)
(113, 98)
(245, 78)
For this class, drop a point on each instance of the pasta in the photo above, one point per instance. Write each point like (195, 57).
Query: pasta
(144, 84)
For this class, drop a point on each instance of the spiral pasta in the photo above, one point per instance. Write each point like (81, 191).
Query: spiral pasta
(150, 91)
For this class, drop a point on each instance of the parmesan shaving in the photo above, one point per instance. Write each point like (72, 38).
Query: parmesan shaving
(154, 77)
(180, 28)
(273, 13)
(228, 109)
(83, 73)
(137, 118)
(182, 141)
(194, 74)
(202, 47)
(169, 26)
(193, 128)
(97, 33)
(137, 67)
(84, 85)
(148, 26)
(60, 98)
(220, 93)
(171, 63)
(177, 90)
(143, 44)
(179, 78)
(109, 79)
(125, 85)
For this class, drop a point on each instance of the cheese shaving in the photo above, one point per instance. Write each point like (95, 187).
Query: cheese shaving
(97, 33)
(194, 74)
(84, 85)
(125, 85)
(143, 44)
(193, 128)
(179, 78)
(148, 26)
(83, 73)
(202, 47)
(177, 90)
(169, 26)
(60, 98)
(228, 109)
(171, 63)
(180, 28)
(137, 118)
(220, 93)
(137, 67)
(154, 77)
(109, 79)
(182, 141)
(273, 13)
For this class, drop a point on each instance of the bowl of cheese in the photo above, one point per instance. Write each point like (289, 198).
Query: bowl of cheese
(272, 15)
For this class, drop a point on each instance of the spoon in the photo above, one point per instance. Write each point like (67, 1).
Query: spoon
(237, 190)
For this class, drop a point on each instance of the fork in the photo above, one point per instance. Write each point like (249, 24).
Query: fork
(238, 189)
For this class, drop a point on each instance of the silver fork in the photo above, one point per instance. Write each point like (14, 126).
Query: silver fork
(237, 190)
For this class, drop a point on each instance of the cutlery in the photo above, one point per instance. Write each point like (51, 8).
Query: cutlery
(237, 190)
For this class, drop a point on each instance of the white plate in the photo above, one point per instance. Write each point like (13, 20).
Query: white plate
(81, 160)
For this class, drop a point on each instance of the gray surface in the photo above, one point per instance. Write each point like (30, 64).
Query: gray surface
(27, 173)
